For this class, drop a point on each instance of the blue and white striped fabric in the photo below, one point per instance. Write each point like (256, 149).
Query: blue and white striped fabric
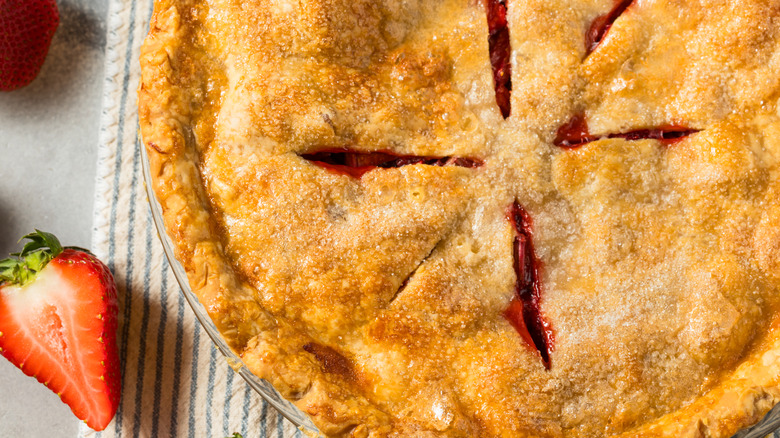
(174, 381)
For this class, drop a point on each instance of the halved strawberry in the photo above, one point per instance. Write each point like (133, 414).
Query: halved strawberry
(58, 321)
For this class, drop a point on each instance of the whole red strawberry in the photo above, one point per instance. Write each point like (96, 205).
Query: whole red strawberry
(26, 29)
(58, 321)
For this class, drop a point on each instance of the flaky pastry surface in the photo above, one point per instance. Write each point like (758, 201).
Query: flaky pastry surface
(376, 303)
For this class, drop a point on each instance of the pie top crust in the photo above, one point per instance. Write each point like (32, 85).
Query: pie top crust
(380, 301)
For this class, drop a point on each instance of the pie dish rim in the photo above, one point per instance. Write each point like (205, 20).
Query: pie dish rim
(261, 386)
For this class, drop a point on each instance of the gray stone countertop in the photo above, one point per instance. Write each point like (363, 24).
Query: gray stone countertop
(48, 153)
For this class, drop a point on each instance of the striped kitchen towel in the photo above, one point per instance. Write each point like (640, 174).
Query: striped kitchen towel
(174, 381)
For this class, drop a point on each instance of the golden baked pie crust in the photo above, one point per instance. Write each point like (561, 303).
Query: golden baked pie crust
(376, 304)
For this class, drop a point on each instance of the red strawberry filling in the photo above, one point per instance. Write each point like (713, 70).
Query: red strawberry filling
(600, 26)
(357, 163)
(523, 312)
(574, 133)
(498, 44)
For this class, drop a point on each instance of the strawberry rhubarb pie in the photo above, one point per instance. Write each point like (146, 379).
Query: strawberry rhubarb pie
(457, 218)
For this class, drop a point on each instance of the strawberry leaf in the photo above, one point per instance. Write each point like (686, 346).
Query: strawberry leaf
(7, 269)
(41, 240)
(22, 267)
(37, 260)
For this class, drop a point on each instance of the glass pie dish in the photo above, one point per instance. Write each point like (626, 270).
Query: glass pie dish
(262, 387)
(765, 428)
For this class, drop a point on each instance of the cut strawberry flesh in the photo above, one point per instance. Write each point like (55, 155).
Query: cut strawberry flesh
(357, 163)
(499, 46)
(600, 26)
(524, 310)
(574, 133)
(60, 331)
